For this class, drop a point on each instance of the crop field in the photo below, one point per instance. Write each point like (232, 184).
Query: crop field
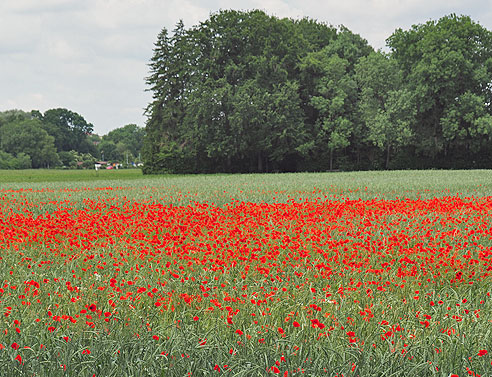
(329, 274)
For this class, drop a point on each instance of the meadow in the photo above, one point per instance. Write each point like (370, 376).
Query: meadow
(337, 274)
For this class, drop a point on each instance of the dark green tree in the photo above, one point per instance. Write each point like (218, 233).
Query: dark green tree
(334, 99)
(29, 138)
(128, 141)
(69, 129)
(227, 95)
(327, 77)
(171, 78)
(109, 151)
(387, 108)
(447, 64)
(9, 161)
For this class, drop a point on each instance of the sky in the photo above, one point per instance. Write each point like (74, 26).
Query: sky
(91, 56)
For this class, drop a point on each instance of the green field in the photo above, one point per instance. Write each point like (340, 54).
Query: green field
(55, 175)
(307, 274)
(261, 187)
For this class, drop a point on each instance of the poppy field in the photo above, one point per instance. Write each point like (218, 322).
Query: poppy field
(281, 275)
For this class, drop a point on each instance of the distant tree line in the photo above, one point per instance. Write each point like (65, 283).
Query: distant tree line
(62, 138)
(248, 92)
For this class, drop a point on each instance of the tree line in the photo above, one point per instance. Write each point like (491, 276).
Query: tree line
(248, 92)
(62, 138)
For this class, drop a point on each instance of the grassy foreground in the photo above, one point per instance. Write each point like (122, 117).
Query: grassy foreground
(257, 187)
(353, 274)
(54, 175)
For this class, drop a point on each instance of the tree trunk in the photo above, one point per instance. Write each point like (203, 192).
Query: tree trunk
(387, 157)
(260, 163)
(331, 159)
(229, 163)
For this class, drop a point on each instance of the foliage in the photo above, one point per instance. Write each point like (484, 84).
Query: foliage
(61, 137)
(69, 129)
(9, 161)
(123, 142)
(386, 107)
(109, 151)
(10, 116)
(76, 160)
(447, 65)
(40, 140)
(247, 92)
(29, 138)
(226, 92)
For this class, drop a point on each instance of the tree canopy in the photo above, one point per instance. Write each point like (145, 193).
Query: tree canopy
(62, 138)
(29, 138)
(248, 92)
(447, 65)
(226, 94)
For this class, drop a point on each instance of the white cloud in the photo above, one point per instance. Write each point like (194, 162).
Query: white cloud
(31, 99)
(62, 49)
(36, 6)
(91, 55)
(376, 20)
(278, 8)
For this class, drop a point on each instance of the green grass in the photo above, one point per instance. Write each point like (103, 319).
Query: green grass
(52, 175)
(117, 351)
(219, 189)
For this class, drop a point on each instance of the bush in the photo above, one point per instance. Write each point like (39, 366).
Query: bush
(9, 161)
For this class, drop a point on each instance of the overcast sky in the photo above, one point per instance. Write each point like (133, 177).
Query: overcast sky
(91, 56)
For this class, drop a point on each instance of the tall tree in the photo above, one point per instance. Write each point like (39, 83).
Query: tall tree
(334, 99)
(230, 53)
(257, 55)
(171, 76)
(130, 137)
(327, 77)
(467, 121)
(28, 137)
(387, 107)
(69, 129)
(448, 66)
